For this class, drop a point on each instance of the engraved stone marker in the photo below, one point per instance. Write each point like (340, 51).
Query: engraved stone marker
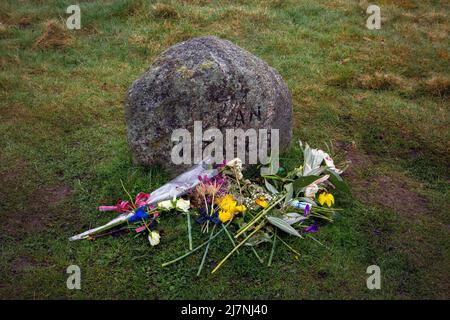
(203, 79)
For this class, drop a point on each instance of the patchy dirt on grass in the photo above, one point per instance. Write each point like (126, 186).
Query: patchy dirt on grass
(380, 81)
(21, 263)
(53, 195)
(395, 191)
(165, 11)
(433, 85)
(438, 85)
(36, 213)
(55, 36)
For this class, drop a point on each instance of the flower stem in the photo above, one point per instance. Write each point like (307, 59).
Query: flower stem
(238, 246)
(292, 249)
(212, 204)
(188, 217)
(321, 217)
(126, 191)
(206, 205)
(165, 264)
(229, 235)
(206, 252)
(261, 260)
(310, 236)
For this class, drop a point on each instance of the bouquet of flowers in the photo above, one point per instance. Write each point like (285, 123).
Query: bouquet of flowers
(248, 212)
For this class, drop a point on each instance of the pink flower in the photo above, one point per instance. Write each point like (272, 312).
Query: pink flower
(141, 199)
(125, 206)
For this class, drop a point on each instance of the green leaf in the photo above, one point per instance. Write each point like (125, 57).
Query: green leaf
(272, 177)
(293, 217)
(338, 182)
(277, 178)
(303, 182)
(270, 187)
(258, 239)
(290, 193)
(279, 223)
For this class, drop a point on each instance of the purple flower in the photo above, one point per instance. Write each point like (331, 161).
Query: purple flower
(222, 165)
(219, 179)
(307, 210)
(203, 179)
(312, 228)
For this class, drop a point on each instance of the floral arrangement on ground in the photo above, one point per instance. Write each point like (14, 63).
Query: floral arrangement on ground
(228, 207)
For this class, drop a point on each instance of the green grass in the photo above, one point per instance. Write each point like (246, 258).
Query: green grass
(380, 97)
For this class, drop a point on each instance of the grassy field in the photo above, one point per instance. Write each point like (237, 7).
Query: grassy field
(380, 96)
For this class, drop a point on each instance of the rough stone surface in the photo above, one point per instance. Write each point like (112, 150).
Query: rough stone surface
(203, 79)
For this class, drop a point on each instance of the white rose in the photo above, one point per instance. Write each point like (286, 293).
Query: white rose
(180, 204)
(183, 205)
(166, 205)
(154, 237)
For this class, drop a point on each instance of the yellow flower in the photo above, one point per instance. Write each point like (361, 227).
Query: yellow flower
(327, 198)
(227, 203)
(261, 201)
(225, 216)
(228, 207)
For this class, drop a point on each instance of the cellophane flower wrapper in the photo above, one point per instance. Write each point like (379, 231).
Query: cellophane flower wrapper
(173, 189)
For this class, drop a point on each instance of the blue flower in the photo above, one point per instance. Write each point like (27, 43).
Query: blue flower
(203, 217)
(139, 214)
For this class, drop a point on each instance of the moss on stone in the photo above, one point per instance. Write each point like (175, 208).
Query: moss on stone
(185, 72)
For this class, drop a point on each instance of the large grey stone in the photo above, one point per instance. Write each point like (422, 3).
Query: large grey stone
(203, 79)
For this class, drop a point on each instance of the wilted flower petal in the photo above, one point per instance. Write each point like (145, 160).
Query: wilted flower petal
(236, 164)
(330, 163)
(313, 158)
(311, 190)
